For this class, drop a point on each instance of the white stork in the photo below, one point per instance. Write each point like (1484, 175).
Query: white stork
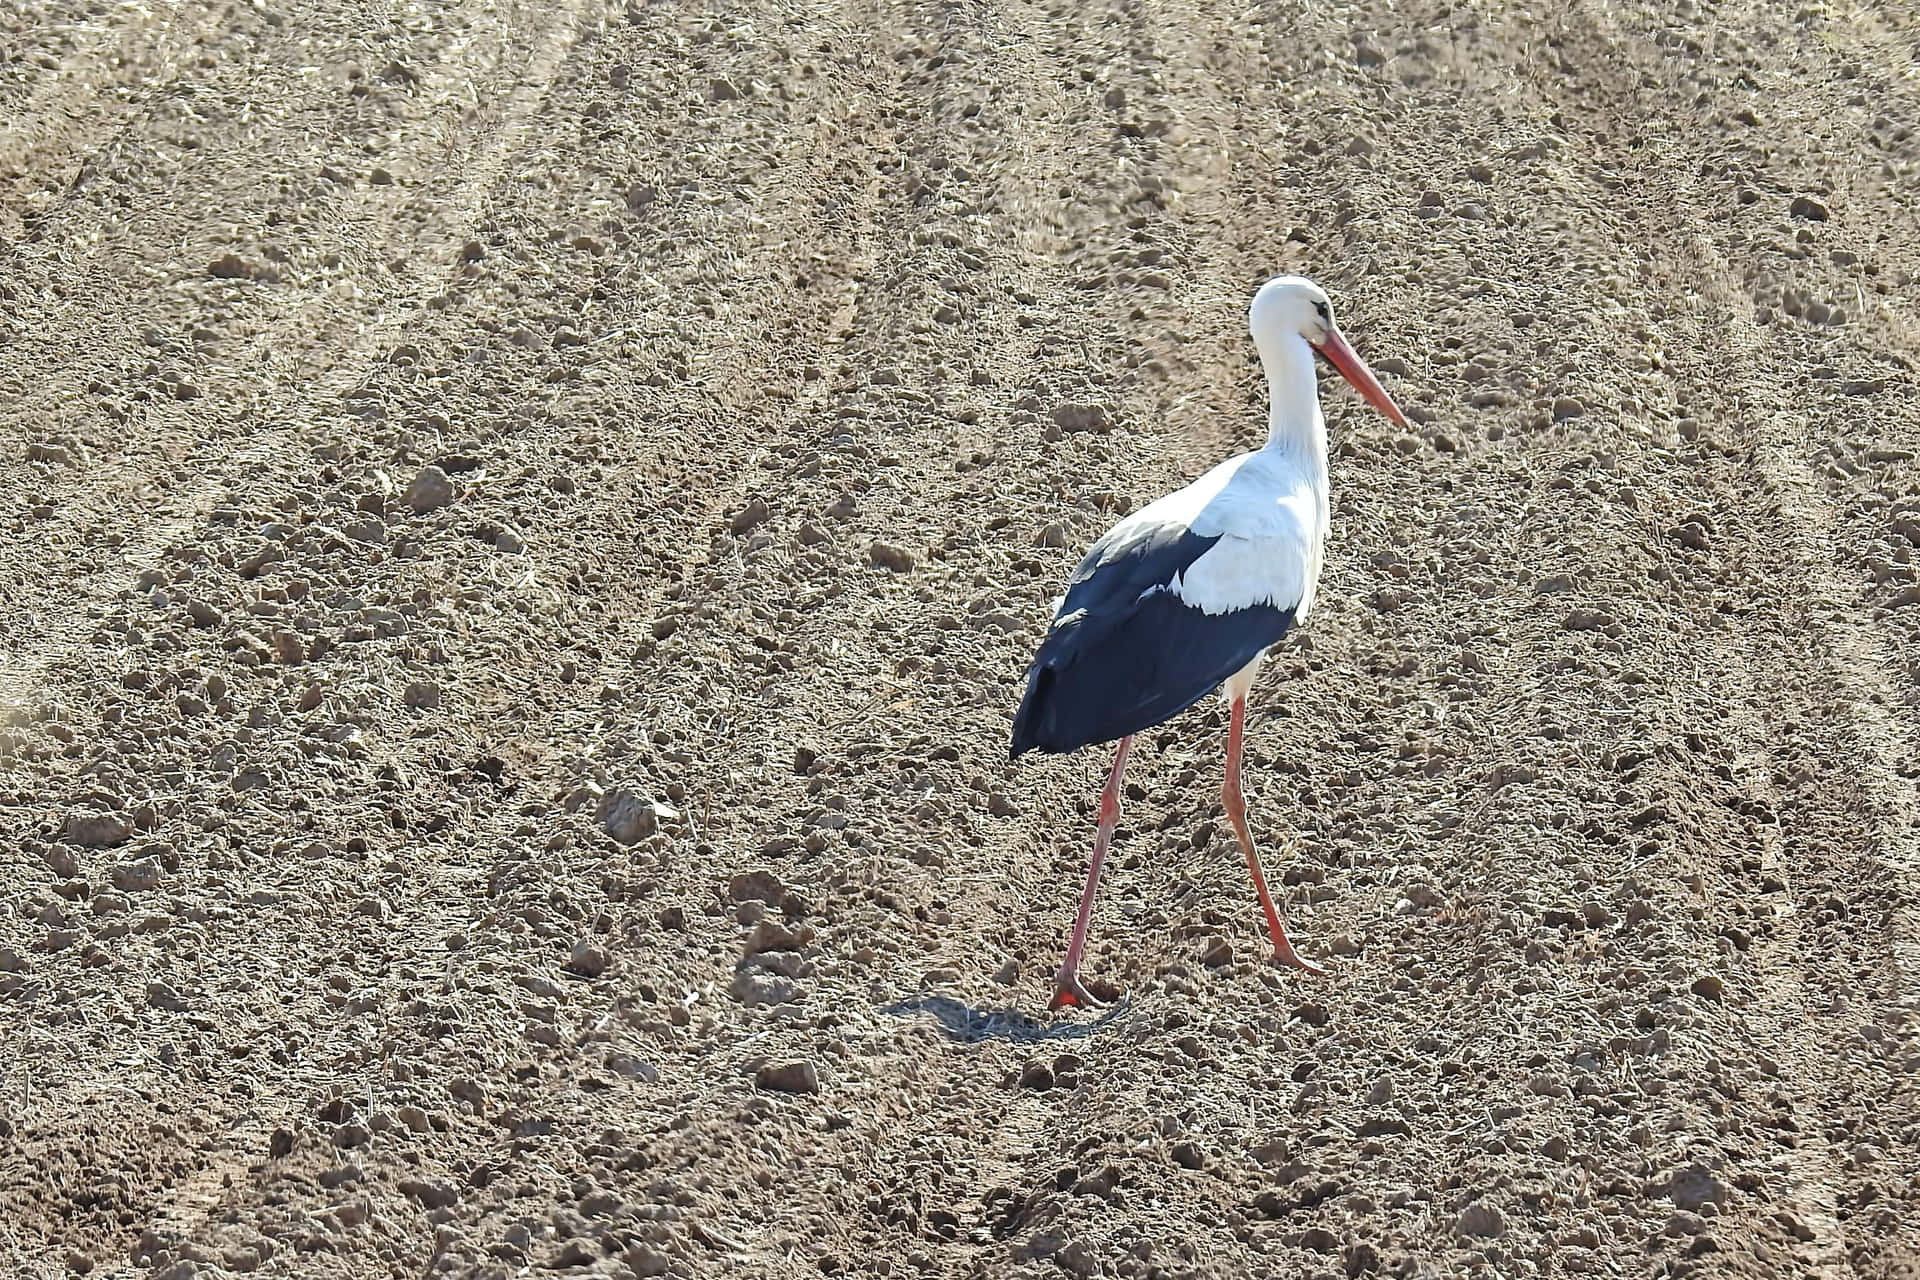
(1188, 593)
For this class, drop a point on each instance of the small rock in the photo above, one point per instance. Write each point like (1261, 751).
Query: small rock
(1685, 1223)
(888, 556)
(1794, 1225)
(1808, 209)
(1481, 1220)
(1710, 986)
(41, 451)
(758, 885)
(414, 1118)
(1036, 1075)
(1082, 417)
(798, 1076)
(352, 1134)
(1078, 1257)
(757, 988)
(646, 1261)
(1565, 407)
(281, 1143)
(137, 877)
(367, 531)
(1216, 952)
(629, 816)
(162, 996)
(587, 960)
(422, 695)
(229, 266)
(431, 1193)
(1189, 1156)
(95, 830)
(1054, 535)
(431, 490)
(999, 806)
(1007, 974)
(1695, 1185)
(771, 935)
(625, 1064)
(750, 517)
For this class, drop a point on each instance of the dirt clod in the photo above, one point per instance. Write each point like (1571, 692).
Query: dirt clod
(799, 1076)
(430, 490)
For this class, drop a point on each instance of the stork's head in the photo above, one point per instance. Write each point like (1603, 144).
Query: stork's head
(1294, 306)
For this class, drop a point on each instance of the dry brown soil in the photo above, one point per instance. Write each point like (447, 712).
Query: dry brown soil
(616, 870)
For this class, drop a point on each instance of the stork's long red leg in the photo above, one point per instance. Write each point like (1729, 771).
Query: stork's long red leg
(1067, 981)
(1236, 803)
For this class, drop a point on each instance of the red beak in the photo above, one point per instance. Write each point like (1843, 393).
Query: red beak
(1355, 371)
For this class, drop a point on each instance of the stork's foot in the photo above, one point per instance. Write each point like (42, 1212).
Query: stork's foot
(1283, 952)
(1070, 993)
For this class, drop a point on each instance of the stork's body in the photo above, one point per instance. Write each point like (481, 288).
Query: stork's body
(1187, 594)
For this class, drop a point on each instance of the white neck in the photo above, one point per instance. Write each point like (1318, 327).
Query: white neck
(1294, 424)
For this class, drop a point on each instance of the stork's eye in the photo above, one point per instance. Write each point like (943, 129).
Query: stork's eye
(1325, 314)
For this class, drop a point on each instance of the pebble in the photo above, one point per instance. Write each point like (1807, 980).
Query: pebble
(1808, 209)
(431, 1193)
(646, 1261)
(749, 517)
(98, 830)
(771, 935)
(1480, 1220)
(629, 816)
(162, 996)
(758, 885)
(587, 959)
(431, 490)
(797, 1076)
(1696, 1185)
(1565, 407)
(888, 556)
(138, 876)
(1082, 417)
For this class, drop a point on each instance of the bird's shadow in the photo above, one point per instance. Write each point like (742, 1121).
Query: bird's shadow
(961, 1021)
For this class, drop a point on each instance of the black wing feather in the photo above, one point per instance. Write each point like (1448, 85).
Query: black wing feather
(1123, 656)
